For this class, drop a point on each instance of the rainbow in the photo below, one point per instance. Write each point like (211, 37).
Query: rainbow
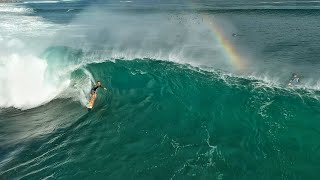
(230, 51)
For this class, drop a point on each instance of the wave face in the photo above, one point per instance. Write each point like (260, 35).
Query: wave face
(160, 119)
(176, 106)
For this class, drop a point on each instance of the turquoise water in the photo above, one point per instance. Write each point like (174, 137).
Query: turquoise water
(164, 115)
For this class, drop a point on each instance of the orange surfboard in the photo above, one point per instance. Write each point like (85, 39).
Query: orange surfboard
(91, 101)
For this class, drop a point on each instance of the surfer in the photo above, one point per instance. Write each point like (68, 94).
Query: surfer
(236, 35)
(294, 80)
(93, 94)
(94, 89)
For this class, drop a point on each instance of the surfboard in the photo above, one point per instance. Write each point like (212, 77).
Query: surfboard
(91, 101)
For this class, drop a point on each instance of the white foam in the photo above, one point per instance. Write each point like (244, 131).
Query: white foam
(25, 81)
(23, 84)
(21, 24)
(10, 8)
(42, 2)
(14, 9)
(23, 78)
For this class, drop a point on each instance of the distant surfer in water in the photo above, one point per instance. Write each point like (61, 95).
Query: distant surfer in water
(236, 35)
(93, 94)
(294, 80)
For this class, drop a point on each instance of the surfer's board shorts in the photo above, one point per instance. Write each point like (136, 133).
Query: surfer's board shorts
(93, 94)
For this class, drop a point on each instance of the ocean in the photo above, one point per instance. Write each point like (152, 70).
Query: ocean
(195, 89)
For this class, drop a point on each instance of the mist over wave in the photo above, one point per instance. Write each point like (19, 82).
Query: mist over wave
(101, 36)
(181, 37)
(173, 36)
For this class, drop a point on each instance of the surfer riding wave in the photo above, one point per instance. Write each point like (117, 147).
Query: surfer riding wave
(94, 89)
(93, 94)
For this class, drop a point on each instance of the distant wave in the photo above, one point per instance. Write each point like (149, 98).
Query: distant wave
(9, 8)
(29, 2)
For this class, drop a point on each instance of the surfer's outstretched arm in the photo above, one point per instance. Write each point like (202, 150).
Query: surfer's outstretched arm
(103, 87)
